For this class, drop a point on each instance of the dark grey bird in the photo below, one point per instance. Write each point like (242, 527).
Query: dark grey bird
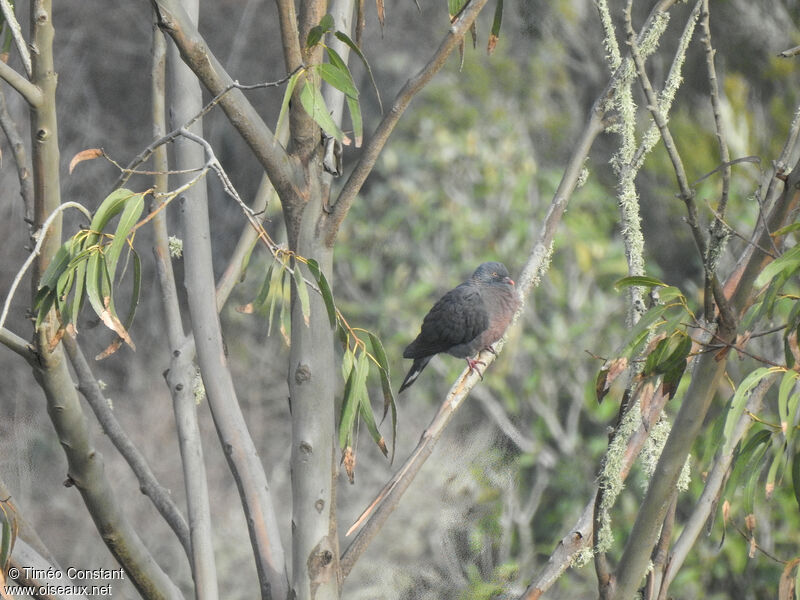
(467, 319)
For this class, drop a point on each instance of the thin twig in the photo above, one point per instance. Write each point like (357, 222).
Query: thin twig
(717, 231)
(24, 173)
(40, 238)
(713, 486)
(29, 91)
(148, 484)
(16, 33)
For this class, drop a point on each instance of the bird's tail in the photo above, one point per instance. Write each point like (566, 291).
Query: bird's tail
(413, 373)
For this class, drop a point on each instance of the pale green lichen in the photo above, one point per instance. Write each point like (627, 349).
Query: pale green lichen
(175, 247)
(581, 557)
(198, 389)
(583, 176)
(651, 452)
(610, 477)
(613, 55)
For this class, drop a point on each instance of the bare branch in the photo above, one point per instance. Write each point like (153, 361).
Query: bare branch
(715, 480)
(41, 236)
(20, 157)
(12, 341)
(412, 87)
(148, 484)
(240, 451)
(387, 500)
(290, 36)
(29, 91)
(16, 33)
(282, 170)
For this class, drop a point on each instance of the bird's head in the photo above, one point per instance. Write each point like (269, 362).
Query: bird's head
(492, 273)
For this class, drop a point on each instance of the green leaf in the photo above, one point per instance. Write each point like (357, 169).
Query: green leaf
(57, 265)
(344, 38)
(788, 262)
(787, 385)
(302, 293)
(347, 364)
(45, 304)
(388, 395)
(324, 288)
(638, 280)
(110, 207)
(365, 410)
(314, 105)
(748, 456)
(338, 78)
(494, 34)
(275, 293)
(136, 289)
(94, 268)
(772, 474)
(316, 33)
(787, 229)
(263, 291)
(287, 96)
(355, 117)
(677, 356)
(796, 477)
(740, 398)
(63, 288)
(130, 215)
(355, 386)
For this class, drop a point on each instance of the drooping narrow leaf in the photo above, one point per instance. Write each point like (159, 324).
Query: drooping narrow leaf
(287, 96)
(130, 215)
(302, 294)
(263, 291)
(338, 77)
(343, 37)
(348, 414)
(638, 280)
(788, 262)
(740, 398)
(355, 117)
(314, 105)
(745, 460)
(324, 288)
(796, 477)
(275, 294)
(787, 384)
(347, 364)
(57, 265)
(388, 395)
(494, 34)
(772, 474)
(365, 410)
(93, 275)
(109, 208)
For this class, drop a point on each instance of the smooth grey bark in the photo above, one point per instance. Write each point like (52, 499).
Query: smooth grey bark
(180, 375)
(236, 441)
(312, 382)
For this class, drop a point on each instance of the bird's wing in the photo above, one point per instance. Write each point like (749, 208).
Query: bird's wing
(457, 318)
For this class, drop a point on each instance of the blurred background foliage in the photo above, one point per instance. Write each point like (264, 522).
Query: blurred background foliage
(466, 177)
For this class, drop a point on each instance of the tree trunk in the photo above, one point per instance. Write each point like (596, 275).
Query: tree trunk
(312, 381)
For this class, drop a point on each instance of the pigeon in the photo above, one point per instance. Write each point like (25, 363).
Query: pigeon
(467, 319)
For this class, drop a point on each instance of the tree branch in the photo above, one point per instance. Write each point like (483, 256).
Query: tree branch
(231, 427)
(16, 32)
(290, 36)
(29, 91)
(20, 157)
(284, 172)
(148, 483)
(715, 481)
(412, 87)
(387, 500)
(707, 374)
(180, 374)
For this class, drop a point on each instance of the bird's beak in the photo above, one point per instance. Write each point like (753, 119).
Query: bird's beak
(509, 280)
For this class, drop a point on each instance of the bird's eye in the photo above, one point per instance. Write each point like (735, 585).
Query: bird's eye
(494, 274)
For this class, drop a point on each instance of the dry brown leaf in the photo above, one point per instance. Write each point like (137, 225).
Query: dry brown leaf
(492, 43)
(349, 461)
(786, 585)
(112, 347)
(83, 155)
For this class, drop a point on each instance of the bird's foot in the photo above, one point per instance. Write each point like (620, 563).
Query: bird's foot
(491, 350)
(472, 363)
